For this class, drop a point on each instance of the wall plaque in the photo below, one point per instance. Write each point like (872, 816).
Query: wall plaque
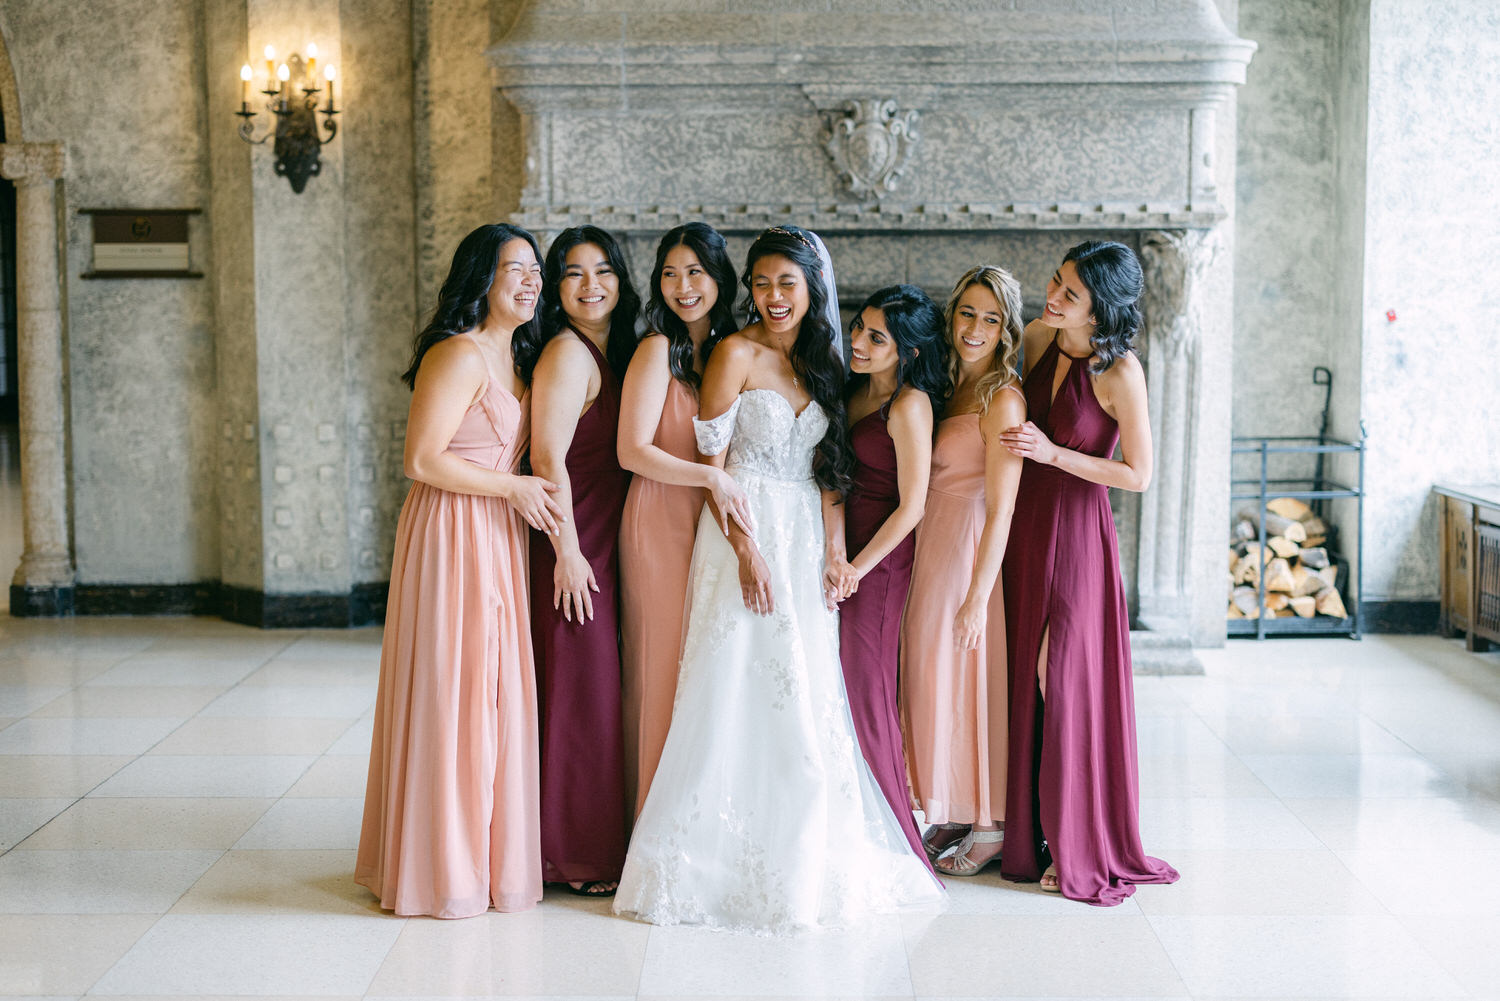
(141, 243)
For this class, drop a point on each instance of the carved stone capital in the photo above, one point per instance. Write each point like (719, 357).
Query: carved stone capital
(33, 163)
(1175, 262)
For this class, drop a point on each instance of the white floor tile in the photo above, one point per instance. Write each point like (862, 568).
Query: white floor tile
(334, 776)
(279, 882)
(1447, 884)
(205, 735)
(151, 670)
(1349, 956)
(204, 954)
(84, 736)
(356, 739)
(698, 962)
(1306, 735)
(307, 823)
(291, 669)
(1081, 955)
(540, 951)
(1253, 882)
(1465, 947)
(20, 816)
(56, 774)
(97, 882)
(1216, 776)
(18, 700)
(206, 775)
(155, 824)
(1435, 825)
(52, 954)
(294, 701)
(1359, 776)
(1202, 823)
(105, 701)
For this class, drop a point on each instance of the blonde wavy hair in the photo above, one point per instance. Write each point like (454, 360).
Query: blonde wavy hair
(1003, 285)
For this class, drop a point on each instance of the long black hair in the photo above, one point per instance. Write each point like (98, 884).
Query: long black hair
(706, 243)
(1112, 274)
(463, 301)
(916, 324)
(551, 317)
(814, 356)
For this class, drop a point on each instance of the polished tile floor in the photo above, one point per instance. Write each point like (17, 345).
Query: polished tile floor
(182, 796)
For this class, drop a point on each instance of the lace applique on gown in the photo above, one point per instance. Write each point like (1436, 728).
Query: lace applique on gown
(763, 815)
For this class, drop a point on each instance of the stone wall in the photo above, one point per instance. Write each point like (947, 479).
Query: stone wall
(121, 84)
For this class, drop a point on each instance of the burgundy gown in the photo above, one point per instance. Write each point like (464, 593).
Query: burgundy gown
(584, 815)
(1072, 772)
(870, 618)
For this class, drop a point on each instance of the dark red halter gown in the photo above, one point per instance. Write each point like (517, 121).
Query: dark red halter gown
(584, 816)
(870, 618)
(1072, 769)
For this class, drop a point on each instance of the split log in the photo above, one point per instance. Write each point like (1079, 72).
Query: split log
(1305, 605)
(1276, 601)
(1234, 611)
(1279, 576)
(1289, 507)
(1246, 571)
(1244, 530)
(1285, 613)
(1330, 603)
(1328, 575)
(1313, 525)
(1283, 547)
(1234, 557)
(1288, 529)
(1305, 582)
(1247, 602)
(1315, 558)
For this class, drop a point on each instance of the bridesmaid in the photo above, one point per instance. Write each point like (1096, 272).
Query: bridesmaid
(953, 638)
(1073, 789)
(690, 307)
(900, 382)
(450, 819)
(587, 334)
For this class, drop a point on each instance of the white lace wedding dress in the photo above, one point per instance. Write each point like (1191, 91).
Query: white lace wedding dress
(763, 815)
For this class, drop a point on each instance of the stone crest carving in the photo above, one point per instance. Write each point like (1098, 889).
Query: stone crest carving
(871, 145)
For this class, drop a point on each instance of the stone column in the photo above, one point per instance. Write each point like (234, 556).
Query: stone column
(1176, 263)
(43, 583)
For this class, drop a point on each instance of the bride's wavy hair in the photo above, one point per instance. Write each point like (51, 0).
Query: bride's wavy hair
(916, 326)
(1112, 274)
(1007, 291)
(814, 355)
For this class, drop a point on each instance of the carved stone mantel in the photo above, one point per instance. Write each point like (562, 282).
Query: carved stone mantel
(46, 569)
(1102, 120)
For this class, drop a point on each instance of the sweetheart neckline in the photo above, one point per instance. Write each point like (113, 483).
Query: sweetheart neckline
(796, 414)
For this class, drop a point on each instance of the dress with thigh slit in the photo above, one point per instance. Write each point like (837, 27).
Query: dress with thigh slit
(584, 815)
(1072, 772)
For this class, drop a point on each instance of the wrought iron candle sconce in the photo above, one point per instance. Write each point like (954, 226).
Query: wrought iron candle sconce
(295, 123)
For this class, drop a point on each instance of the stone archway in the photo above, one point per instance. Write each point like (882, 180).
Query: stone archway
(43, 583)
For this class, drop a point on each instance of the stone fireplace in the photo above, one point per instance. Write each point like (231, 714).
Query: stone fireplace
(918, 142)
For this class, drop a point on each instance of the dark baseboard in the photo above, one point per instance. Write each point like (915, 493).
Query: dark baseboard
(363, 605)
(40, 602)
(1399, 616)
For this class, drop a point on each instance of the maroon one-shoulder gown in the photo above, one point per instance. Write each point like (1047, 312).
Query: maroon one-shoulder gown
(870, 618)
(1072, 771)
(585, 822)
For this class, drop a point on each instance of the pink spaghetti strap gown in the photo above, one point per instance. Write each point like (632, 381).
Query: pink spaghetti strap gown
(870, 618)
(450, 820)
(584, 818)
(656, 556)
(955, 700)
(1072, 753)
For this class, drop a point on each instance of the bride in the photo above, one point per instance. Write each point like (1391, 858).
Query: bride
(763, 815)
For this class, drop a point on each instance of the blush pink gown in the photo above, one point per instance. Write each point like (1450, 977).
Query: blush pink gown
(450, 823)
(954, 700)
(656, 555)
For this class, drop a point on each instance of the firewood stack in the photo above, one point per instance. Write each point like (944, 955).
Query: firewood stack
(1300, 578)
